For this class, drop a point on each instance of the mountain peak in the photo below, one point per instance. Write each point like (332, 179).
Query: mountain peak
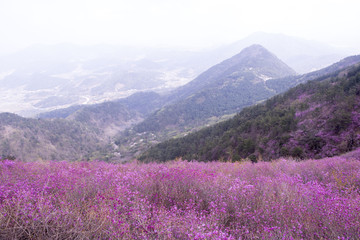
(255, 51)
(255, 47)
(258, 57)
(254, 59)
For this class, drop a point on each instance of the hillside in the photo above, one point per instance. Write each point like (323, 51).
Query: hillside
(251, 76)
(75, 133)
(253, 59)
(33, 139)
(113, 116)
(313, 120)
(90, 131)
(283, 84)
(225, 88)
(215, 104)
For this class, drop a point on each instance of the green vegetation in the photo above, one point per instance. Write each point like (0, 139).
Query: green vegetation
(317, 119)
(224, 89)
(102, 131)
(34, 139)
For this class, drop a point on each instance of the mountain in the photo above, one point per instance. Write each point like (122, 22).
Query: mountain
(134, 126)
(113, 116)
(318, 119)
(302, 55)
(205, 108)
(143, 103)
(255, 60)
(75, 133)
(283, 84)
(225, 88)
(213, 96)
(43, 78)
(33, 139)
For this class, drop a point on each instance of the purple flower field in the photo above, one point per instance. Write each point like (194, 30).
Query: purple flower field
(284, 199)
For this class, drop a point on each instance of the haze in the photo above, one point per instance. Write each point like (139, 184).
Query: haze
(186, 23)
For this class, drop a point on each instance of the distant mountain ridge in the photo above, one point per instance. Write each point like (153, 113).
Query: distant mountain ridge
(45, 77)
(112, 117)
(283, 84)
(141, 102)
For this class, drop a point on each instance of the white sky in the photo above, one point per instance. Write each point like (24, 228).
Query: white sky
(174, 22)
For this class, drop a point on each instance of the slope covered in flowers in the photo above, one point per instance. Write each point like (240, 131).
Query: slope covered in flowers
(284, 199)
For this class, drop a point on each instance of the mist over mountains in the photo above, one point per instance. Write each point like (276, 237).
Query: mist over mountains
(43, 78)
(119, 102)
(50, 77)
(300, 54)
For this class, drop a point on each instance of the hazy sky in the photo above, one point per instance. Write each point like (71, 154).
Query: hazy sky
(174, 22)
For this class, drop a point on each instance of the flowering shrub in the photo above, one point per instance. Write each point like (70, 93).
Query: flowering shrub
(284, 199)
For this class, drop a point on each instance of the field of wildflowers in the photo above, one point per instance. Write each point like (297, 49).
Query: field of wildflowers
(284, 199)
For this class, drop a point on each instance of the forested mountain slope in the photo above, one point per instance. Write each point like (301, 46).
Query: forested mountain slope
(87, 131)
(111, 117)
(33, 139)
(283, 84)
(225, 88)
(313, 120)
(212, 105)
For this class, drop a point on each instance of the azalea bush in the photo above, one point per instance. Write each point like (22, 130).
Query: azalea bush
(284, 199)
